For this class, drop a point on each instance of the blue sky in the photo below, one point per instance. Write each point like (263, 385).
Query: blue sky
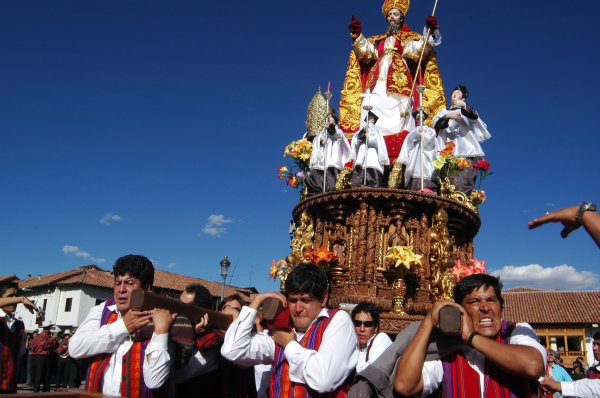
(157, 127)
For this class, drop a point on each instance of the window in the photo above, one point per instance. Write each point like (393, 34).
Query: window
(44, 305)
(68, 304)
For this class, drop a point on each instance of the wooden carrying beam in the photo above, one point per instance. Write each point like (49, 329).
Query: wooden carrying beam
(142, 300)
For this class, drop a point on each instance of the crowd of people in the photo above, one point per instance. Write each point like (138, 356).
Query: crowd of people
(309, 349)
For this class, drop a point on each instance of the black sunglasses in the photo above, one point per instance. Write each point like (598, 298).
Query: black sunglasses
(368, 324)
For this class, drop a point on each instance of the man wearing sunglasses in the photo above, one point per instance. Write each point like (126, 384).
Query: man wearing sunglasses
(317, 353)
(371, 343)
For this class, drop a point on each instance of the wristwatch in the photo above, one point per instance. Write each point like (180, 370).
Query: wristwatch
(583, 207)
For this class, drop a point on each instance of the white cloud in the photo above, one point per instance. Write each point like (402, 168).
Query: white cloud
(561, 277)
(171, 265)
(108, 218)
(77, 252)
(215, 225)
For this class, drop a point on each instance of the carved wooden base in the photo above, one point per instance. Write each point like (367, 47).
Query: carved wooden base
(359, 225)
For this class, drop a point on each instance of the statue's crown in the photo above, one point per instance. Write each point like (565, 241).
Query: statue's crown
(402, 5)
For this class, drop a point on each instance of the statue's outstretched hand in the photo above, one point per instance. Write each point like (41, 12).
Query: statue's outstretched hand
(432, 23)
(355, 27)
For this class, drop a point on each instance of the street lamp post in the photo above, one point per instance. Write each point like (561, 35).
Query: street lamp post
(224, 269)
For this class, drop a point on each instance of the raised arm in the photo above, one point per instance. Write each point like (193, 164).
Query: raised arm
(567, 216)
(408, 379)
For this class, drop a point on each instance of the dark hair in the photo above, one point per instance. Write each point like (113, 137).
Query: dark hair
(307, 278)
(202, 296)
(472, 282)
(137, 266)
(8, 285)
(367, 308)
(230, 298)
(596, 336)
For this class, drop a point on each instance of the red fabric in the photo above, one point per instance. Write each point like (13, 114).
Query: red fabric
(10, 345)
(211, 339)
(95, 373)
(462, 381)
(43, 344)
(282, 387)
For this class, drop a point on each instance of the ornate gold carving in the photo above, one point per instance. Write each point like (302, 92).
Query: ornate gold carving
(439, 245)
(303, 239)
(447, 190)
(343, 180)
(396, 176)
(401, 5)
(315, 115)
(358, 224)
(447, 283)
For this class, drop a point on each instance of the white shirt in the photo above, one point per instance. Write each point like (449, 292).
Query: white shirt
(374, 348)
(433, 371)
(584, 388)
(91, 339)
(323, 370)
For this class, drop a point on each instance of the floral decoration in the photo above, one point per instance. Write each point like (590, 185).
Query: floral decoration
(477, 196)
(403, 256)
(473, 266)
(447, 164)
(279, 269)
(483, 170)
(300, 150)
(320, 256)
(295, 176)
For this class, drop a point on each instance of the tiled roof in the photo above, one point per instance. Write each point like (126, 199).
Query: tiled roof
(8, 278)
(539, 306)
(86, 275)
(173, 281)
(93, 275)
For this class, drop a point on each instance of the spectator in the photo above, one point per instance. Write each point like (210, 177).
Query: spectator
(555, 370)
(572, 218)
(42, 349)
(12, 336)
(371, 343)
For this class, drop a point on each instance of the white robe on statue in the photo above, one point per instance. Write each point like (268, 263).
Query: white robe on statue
(394, 110)
(376, 151)
(331, 148)
(467, 134)
(410, 154)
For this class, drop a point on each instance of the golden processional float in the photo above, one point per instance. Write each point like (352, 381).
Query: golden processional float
(399, 249)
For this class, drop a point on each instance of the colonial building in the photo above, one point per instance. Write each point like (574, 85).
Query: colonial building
(564, 320)
(67, 297)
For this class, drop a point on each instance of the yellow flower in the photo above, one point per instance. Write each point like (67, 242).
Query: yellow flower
(403, 255)
(439, 163)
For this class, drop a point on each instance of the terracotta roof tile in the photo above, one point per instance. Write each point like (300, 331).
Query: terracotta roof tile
(93, 275)
(8, 278)
(551, 306)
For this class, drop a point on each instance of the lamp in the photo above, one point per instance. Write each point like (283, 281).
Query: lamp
(224, 269)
